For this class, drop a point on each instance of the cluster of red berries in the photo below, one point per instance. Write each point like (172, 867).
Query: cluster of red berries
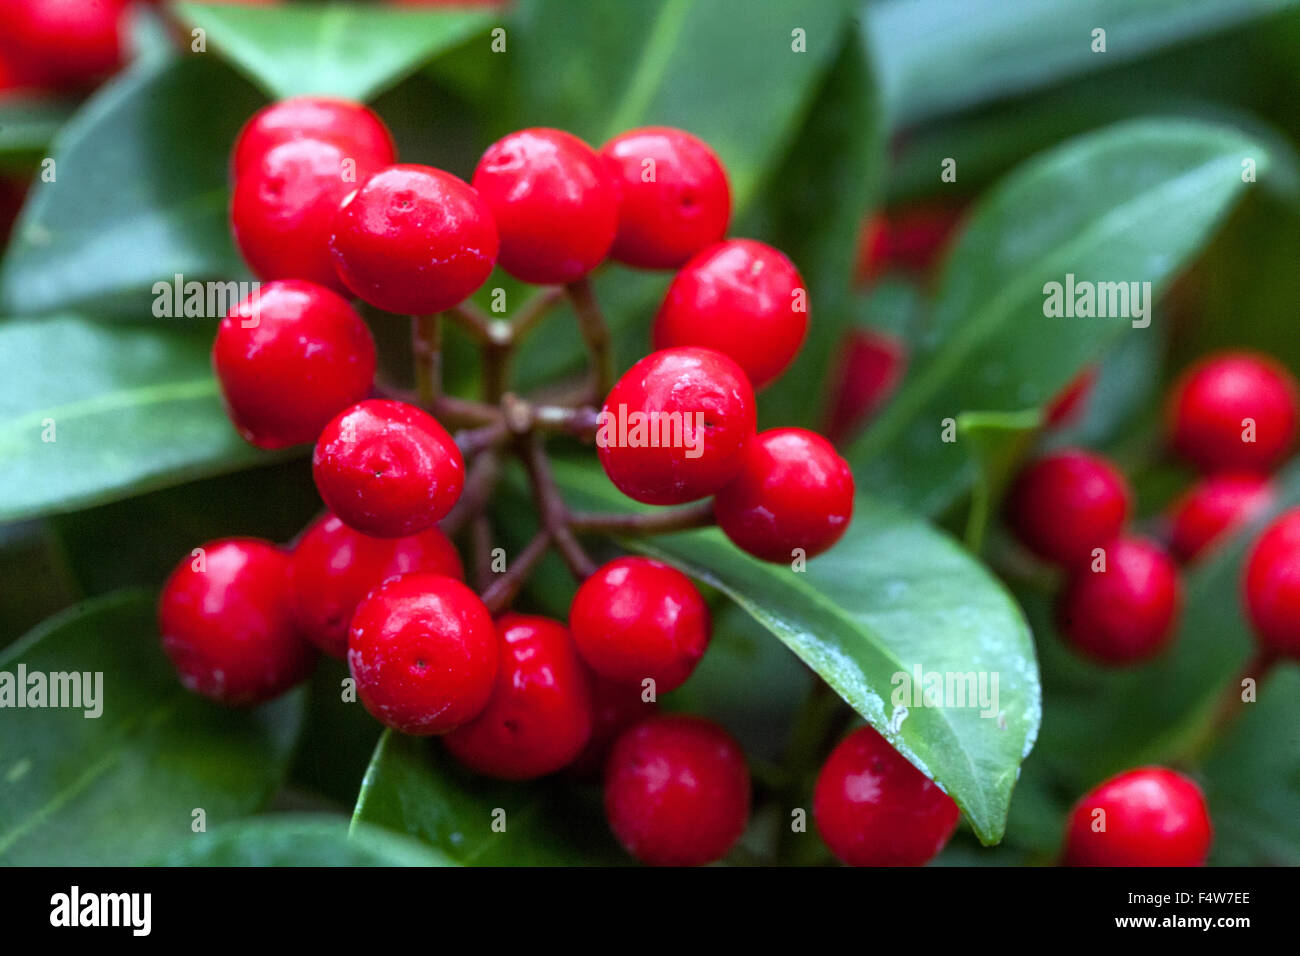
(322, 212)
(1233, 415)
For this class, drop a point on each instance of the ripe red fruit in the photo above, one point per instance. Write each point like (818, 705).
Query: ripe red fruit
(615, 708)
(284, 205)
(1067, 407)
(909, 240)
(793, 491)
(1214, 507)
(414, 240)
(289, 358)
(1145, 817)
(352, 127)
(555, 202)
(674, 196)
(1215, 402)
(540, 715)
(333, 567)
(226, 624)
(424, 653)
(65, 43)
(1127, 612)
(1272, 586)
(872, 366)
(677, 791)
(387, 468)
(674, 428)
(873, 808)
(741, 298)
(637, 618)
(1067, 503)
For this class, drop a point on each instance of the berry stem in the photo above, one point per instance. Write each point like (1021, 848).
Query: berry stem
(501, 592)
(818, 723)
(456, 412)
(1226, 711)
(534, 309)
(480, 536)
(479, 484)
(475, 440)
(663, 521)
(426, 348)
(476, 324)
(591, 323)
(554, 512)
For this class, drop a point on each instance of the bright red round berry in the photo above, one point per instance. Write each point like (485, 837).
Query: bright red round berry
(1145, 817)
(1068, 503)
(741, 298)
(637, 618)
(333, 567)
(555, 202)
(289, 358)
(388, 468)
(1235, 411)
(870, 371)
(873, 808)
(283, 209)
(351, 126)
(65, 43)
(1214, 507)
(677, 791)
(674, 196)
(615, 708)
(675, 427)
(227, 626)
(424, 653)
(540, 715)
(1272, 586)
(414, 240)
(1068, 406)
(1126, 611)
(794, 491)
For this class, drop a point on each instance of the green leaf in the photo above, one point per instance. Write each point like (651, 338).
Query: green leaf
(122, 787)
(892, 596)
(27, 124)
(1131, 203)
(302, 840)
(942, 55)
(140, 193)
(335, 49)
(416, 789)
(130, 409)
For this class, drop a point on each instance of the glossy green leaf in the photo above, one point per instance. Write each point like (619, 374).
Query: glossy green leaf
(302, 840)
(1131, 203)
(413, 787)
(337, 49)
(124, 786)
(92, 412)
(27, 125)
(140, 193)
(893, 595)
(942, 55)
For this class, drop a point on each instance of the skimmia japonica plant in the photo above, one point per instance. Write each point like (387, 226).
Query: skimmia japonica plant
(553, 433)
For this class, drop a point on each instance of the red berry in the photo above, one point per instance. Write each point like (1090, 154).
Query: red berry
(353, 128)
(1067, 407)
(1272, 586)
(424, 653)
(289, 358)
(615, 708)
(674, 196)
(414, 240)
(1234, 411)
(334, 567)
(1068, 503)
(1214, 507)
(1126, 612)
(741, 298)
(794, 491)
(65, 43)
(910, 240)
(674, 428)
(636, 618)
(555, 202)
(873, 808)
(284, 205)
(677, 791)
(540, 714)
(226, 623)
(872, 366)
(388, 468)
(1145, 817)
